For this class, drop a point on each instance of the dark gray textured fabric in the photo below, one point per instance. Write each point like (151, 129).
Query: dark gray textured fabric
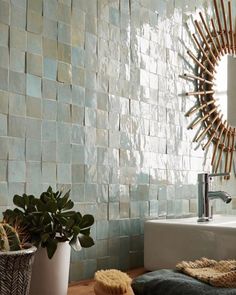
(170, 282)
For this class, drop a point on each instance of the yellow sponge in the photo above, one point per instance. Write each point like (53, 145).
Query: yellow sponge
(112, 281)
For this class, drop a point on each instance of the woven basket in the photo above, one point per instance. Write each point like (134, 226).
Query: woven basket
(15, 271)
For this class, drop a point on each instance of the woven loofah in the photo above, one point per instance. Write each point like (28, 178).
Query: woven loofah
(112, 281)
(218, 274)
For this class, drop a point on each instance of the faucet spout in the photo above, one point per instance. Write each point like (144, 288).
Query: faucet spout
(225, 197)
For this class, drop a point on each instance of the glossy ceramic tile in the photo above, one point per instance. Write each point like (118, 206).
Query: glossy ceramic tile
(89, 98)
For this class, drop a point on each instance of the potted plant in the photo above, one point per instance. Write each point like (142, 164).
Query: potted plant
(16, 258)
(52, 226)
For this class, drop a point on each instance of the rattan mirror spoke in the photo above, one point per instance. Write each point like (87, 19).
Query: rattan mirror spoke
(213, 40)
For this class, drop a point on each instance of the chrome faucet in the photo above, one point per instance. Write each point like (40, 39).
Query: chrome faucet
(204, 195)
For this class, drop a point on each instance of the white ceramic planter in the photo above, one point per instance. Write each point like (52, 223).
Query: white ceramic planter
(50, 276)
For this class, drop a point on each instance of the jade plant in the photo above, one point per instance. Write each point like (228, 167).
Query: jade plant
(49, 219)
(9, 238)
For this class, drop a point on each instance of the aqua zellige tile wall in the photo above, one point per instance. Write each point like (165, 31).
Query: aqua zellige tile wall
(89, 99)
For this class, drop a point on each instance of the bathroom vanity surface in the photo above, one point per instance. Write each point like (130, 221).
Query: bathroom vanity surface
(86, 287)
(167, 242)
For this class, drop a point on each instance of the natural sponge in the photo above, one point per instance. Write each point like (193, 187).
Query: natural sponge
(112, 281)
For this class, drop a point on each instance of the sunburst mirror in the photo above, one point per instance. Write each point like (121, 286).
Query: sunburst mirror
(215, 40)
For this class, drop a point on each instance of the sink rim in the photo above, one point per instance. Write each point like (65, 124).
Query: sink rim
(221, 221)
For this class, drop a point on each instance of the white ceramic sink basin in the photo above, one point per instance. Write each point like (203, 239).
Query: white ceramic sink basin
(167, 242)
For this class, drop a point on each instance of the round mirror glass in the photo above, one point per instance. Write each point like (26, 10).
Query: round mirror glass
(225, 88)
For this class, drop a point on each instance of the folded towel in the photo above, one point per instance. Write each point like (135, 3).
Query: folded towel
(216, 273)
(172, 282)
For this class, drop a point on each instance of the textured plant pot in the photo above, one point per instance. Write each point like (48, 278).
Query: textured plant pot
(15, 271)
(50, 276)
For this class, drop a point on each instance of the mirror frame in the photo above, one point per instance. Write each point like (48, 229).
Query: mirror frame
(212, 42)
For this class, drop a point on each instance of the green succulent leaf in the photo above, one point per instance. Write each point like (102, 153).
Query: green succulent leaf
(85, 241)
(75, 243)
(49, 190)
(87, 221)
(69, 205)
(51, 247)
(19, 201)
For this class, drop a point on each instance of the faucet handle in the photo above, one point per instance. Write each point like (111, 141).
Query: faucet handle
(219, 174)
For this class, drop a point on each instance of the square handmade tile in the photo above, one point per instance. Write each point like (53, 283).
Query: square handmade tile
(33, 150)
(50, 68)
(78, 135)
(63, 173)
(64, 72)
(91, 25)
(48, 151)
(90, 136)
(4, 57)
(4, 102)
(49, 130)
(50, 29)
(90, 173)
(5, 12)
(4, 79)
(4, 200)
(34, 128)
(63, 112)
(63, 132)
(77, 56)
(33, 107)
(64, 52)
(49, 109)
(17, 83)
(78, 154)
(34, 86)
(78, 37)
(77, 17)
(34, 43)
(64, 13)
(16, 171)
(102, 156)
(90, 155)
(90, 117)
(78, 76)
(77, 115)
(78, 95)
(16, 148)
(49, 48)
(18, 17)
(50, 9)
(78, 174)
(17, 60)
(4, 148)
(90, 98)
(49, 172)
(17, 105)
(64, 93)
(49, 89)
(19, 3)
(4, 31)
(64, 33)
(64, 153)
(102, 137)
(16, 126)
(113, 211)
(3, 170)
(33, 172)
(34, 21)
(34, 64)
(36, 6)
(17, 39)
